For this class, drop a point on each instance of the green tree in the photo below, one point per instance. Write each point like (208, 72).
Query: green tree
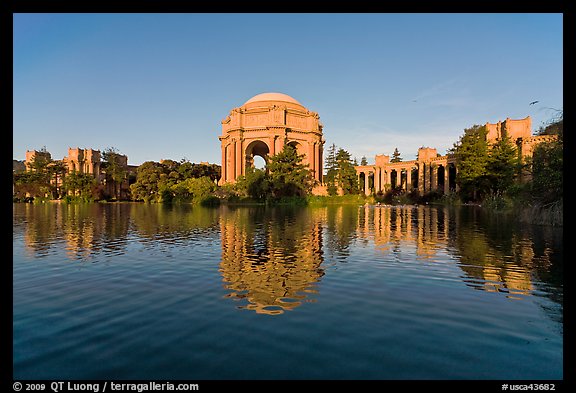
(194, 190)
(554, 126)
(115, 168)
(146, 187)
(503, 165)
(345, 173)
(548, 165)
(548, 172)
(471, 153)
(81, 185)
(364, 161)
(26, 185)
(254, 184)
(288, 176)
(396, 156)
(330, 166)
(57, 172)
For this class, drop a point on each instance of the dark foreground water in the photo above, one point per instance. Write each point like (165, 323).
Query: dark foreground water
(130, 291)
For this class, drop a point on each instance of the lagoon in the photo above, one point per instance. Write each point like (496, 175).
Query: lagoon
(137, 291)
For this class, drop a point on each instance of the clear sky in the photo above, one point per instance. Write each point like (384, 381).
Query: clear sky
(157, 86)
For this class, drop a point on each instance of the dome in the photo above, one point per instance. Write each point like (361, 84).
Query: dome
(272, 97)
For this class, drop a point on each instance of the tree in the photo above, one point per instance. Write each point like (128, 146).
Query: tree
(364, 161)
(115, 169)
(148, 182)
(345, 172)
(288, 176)
(548, 165)
(331, 168)
(26, 185)
(503, 165)
(548, 172)
(254, 184)
(57, 172)
(396, 156)
(40, 174)
(80, 185)
(555, 126)
(195, 190)
(471, 153)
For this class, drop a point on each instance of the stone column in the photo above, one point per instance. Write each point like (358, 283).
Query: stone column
(232, 160)
(272, 144)
(366, 184)
(421, 177)
(239, 158)
(279, 144)
(427, 175)
(223, 169)
(409, 179)
(320, 163)
(446, 179)
(316, 163)
(377, 174)
(386, 178)
(455, 178)
(434, 175)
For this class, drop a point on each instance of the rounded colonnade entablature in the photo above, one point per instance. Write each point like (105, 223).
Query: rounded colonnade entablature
(262, 126)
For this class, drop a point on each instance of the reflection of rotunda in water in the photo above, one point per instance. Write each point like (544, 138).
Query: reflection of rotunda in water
(270, 260)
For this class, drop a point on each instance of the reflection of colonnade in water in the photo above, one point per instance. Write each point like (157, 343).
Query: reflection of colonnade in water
(84, 229)
(427, 229)
(273, 262)
(487, 266)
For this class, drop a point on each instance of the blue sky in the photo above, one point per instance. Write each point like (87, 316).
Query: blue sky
(157, 86)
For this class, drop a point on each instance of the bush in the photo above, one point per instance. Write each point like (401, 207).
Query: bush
(497, 201)
(210, 200)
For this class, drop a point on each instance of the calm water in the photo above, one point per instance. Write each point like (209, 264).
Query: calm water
(130, 291)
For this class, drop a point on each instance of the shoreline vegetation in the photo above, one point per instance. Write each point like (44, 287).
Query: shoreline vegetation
(551, 214)
(494, 177)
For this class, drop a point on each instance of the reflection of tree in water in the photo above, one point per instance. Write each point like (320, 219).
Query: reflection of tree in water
(271, 257)
(341, 229)
(172, 223)
(499, 255)
(40, 225)
(85, 228)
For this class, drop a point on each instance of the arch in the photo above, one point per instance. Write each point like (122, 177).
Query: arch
(298, 146)
(256, 148)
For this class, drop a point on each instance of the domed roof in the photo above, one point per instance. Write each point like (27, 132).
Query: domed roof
(272, 97)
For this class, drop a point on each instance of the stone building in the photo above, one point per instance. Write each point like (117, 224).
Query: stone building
(89, 161)
(83, 161)
(262, 126)
(433, 172)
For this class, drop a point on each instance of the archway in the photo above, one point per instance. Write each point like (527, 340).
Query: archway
(299, 149)
(260, 149)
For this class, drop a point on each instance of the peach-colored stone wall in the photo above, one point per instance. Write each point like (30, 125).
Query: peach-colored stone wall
(514, 129)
